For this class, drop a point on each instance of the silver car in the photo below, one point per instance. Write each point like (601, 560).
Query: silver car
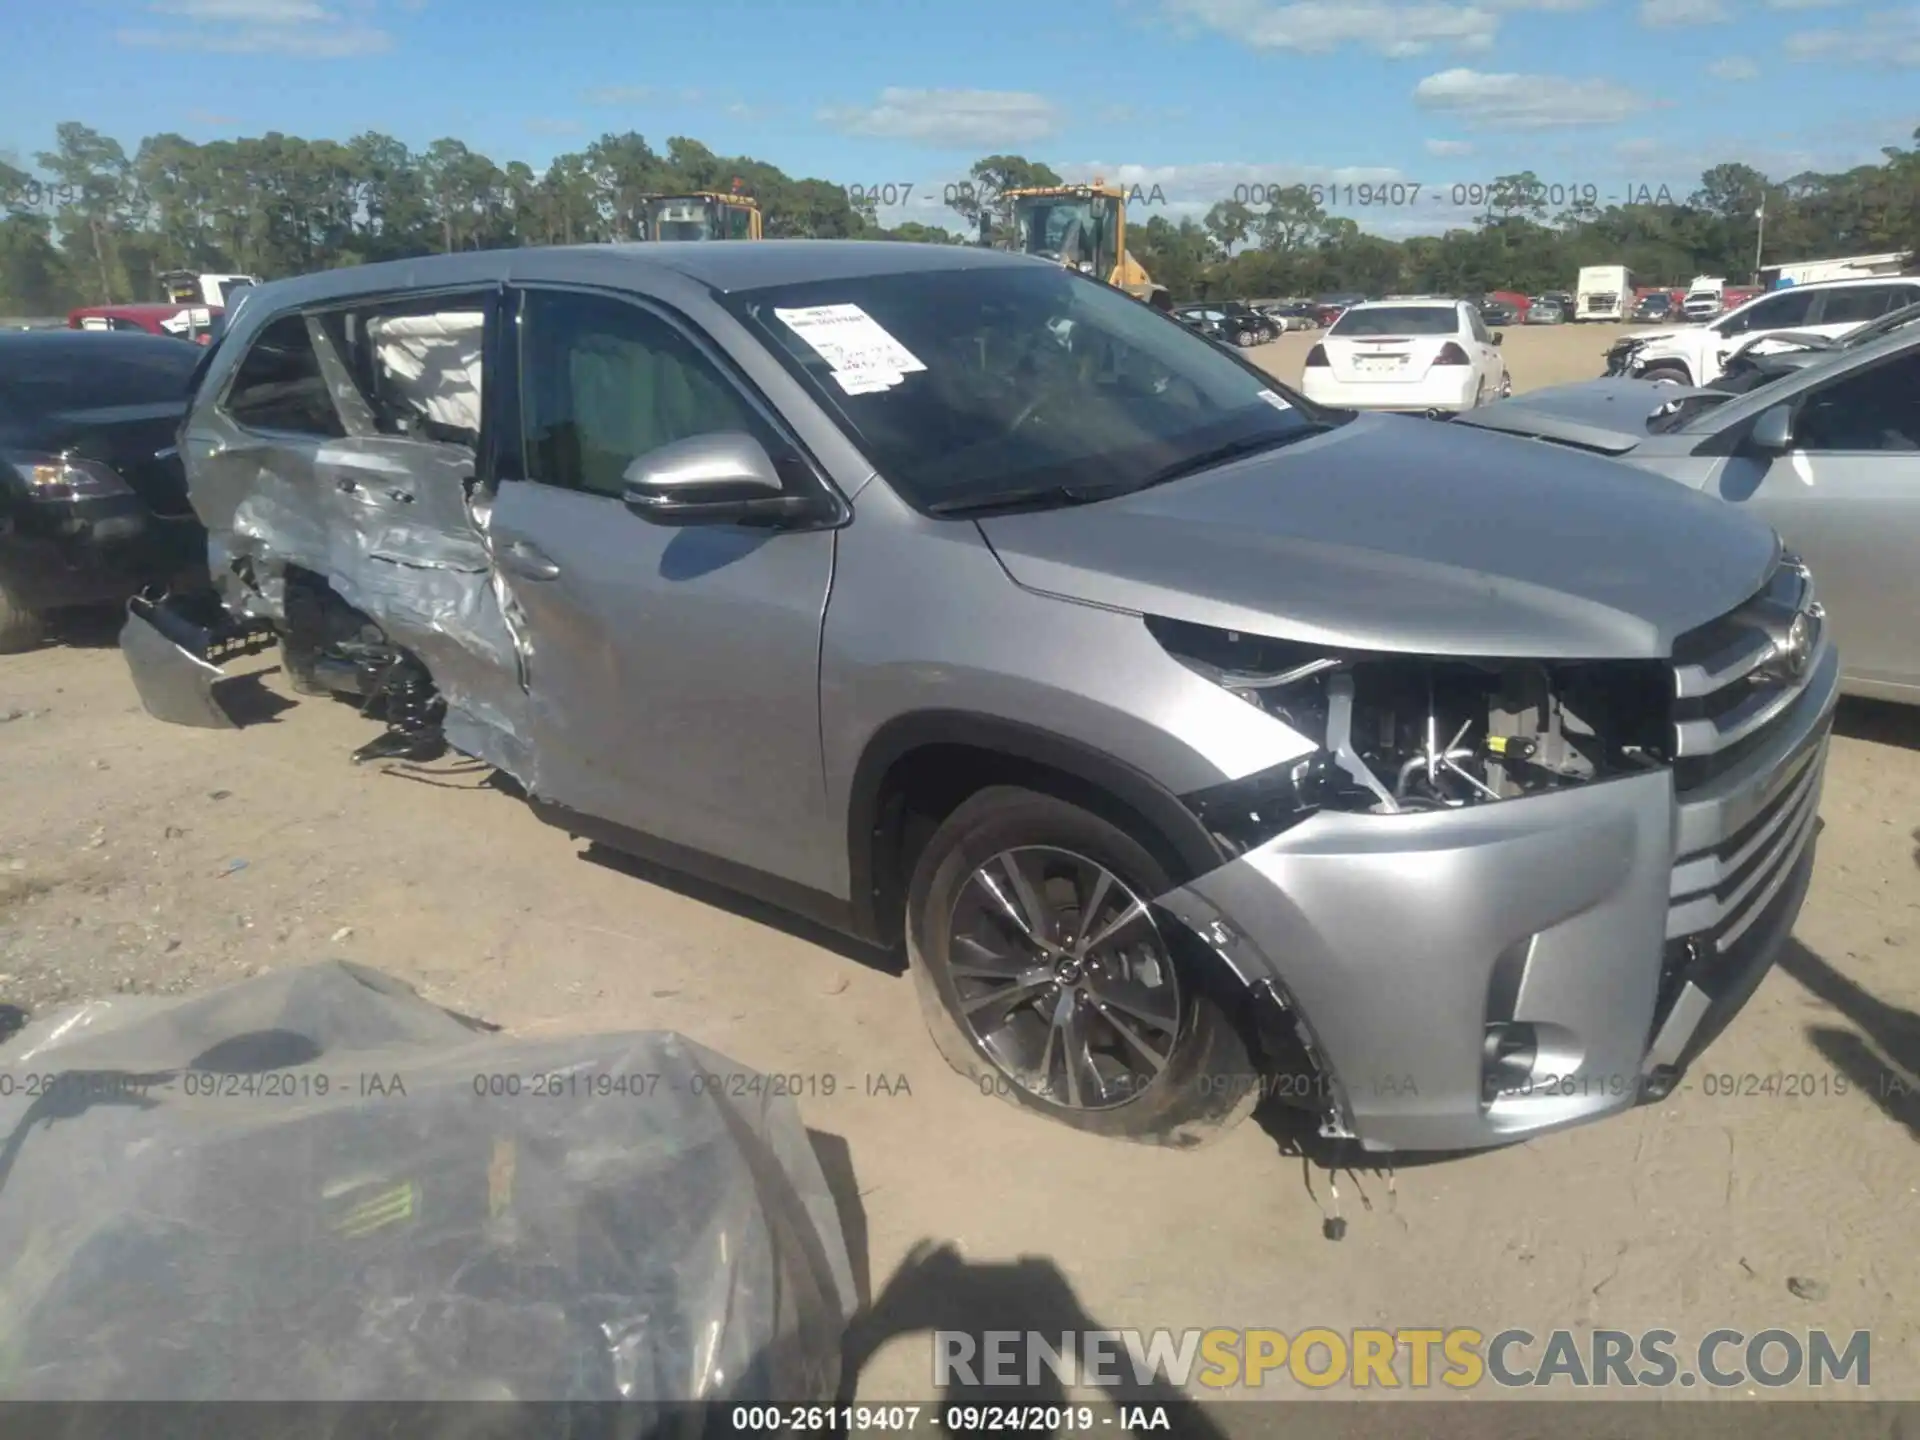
(1198, 743)
(1827, 454)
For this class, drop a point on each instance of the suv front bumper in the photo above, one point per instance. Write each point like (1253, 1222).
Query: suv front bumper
(1623, 923)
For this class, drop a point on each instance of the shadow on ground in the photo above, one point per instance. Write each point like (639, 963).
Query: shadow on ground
(1880, 1056)
(1879, 721)
(937, 1290)
(747, 907)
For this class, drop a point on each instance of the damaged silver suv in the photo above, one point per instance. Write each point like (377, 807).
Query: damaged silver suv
(1199, 742)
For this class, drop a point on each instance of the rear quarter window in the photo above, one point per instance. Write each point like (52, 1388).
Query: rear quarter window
(278, 384)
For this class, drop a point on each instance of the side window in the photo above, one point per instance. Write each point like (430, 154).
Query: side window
(1777, 312)
(1478, 327)
(1854, 306)
(739, 223)
(279, 385)
(1871, 410)
(604, 382)
(413, 368)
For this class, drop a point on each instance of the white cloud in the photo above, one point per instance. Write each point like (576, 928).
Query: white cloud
(1526, 102)
(258, 12)
(303, 28)
(1449, 147)
(1806, 4)
(1886, 38)
(1671, 14)
(1556, 6)
(949, 119)
(1392, 27)
(620, 95)
(307, 42)
(1734, 67)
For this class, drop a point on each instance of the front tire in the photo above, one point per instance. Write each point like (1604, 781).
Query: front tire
(20, 628)
(1046, 979)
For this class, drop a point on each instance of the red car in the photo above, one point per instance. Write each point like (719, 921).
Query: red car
(197, 323)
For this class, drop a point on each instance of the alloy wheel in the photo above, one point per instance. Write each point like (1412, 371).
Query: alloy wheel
(1063, 978)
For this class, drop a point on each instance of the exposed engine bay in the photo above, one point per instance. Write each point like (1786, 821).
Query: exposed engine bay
(1408, 733)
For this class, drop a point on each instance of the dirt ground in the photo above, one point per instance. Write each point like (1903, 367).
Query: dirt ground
(136, 856)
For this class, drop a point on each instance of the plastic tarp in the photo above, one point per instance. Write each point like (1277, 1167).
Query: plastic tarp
(316, 1186)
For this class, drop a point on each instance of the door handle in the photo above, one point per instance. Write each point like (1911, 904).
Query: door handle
(524, 559)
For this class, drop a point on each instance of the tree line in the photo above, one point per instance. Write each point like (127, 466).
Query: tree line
(91, 223)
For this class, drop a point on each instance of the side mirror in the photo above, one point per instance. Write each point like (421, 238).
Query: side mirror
(1498, 338)
(1772, 433)
(721, 479)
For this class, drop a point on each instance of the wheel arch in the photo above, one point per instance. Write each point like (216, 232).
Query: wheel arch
(934, 759)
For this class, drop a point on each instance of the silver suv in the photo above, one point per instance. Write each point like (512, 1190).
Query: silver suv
(1199, 743)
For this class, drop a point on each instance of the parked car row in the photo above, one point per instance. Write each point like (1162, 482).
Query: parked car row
(1134, 694)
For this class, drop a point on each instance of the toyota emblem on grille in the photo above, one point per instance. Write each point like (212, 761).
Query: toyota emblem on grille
(1794, 650)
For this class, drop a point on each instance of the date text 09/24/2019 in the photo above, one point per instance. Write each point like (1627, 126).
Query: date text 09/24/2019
(961, 1419)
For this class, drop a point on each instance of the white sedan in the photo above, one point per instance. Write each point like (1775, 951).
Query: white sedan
(1415, 355)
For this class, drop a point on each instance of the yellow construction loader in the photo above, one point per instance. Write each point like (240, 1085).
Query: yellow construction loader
(1083, 227)
(703, 215)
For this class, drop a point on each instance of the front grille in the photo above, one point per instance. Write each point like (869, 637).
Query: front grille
(1736, 681)
(1735, 677)
(1717, 893)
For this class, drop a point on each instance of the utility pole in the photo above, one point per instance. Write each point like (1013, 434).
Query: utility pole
(1759, 238)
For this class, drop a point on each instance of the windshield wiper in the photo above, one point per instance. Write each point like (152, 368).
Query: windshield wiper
(1232, 450)
(1087, 494)
(1031, 495)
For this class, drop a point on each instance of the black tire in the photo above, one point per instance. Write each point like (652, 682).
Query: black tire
(1208, 1082)
(1664, 371)
(1247, 339)
(20, 628)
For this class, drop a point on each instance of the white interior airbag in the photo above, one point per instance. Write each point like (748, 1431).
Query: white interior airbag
(432, 362)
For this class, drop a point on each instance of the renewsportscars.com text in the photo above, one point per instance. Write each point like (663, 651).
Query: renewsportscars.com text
(1415, 1359)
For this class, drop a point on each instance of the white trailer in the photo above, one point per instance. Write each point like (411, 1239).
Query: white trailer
(1603, 292)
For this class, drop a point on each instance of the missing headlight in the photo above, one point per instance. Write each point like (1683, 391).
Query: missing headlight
(1400, 733)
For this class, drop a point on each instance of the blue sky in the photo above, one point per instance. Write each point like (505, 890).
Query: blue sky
(1198, 97)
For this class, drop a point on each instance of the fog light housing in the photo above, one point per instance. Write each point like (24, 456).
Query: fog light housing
(1508, 1056)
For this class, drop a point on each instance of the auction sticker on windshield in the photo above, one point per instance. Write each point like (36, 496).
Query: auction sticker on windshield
(863, 355)
(1274, 400)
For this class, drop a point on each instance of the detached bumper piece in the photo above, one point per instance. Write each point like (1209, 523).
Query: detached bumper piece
(174, 648)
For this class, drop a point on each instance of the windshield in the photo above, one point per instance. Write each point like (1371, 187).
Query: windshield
(961, 385)
(227, 288)
(679, 220)
(1068, 230)
(1397, 320)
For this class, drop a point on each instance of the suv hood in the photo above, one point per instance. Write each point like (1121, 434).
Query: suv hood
(1609, 415)
(1408, 535)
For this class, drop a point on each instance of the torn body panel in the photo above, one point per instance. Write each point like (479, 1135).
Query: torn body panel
(172, 650)
(383, 515)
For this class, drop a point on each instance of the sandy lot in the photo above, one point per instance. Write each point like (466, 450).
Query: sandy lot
(136, 856)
